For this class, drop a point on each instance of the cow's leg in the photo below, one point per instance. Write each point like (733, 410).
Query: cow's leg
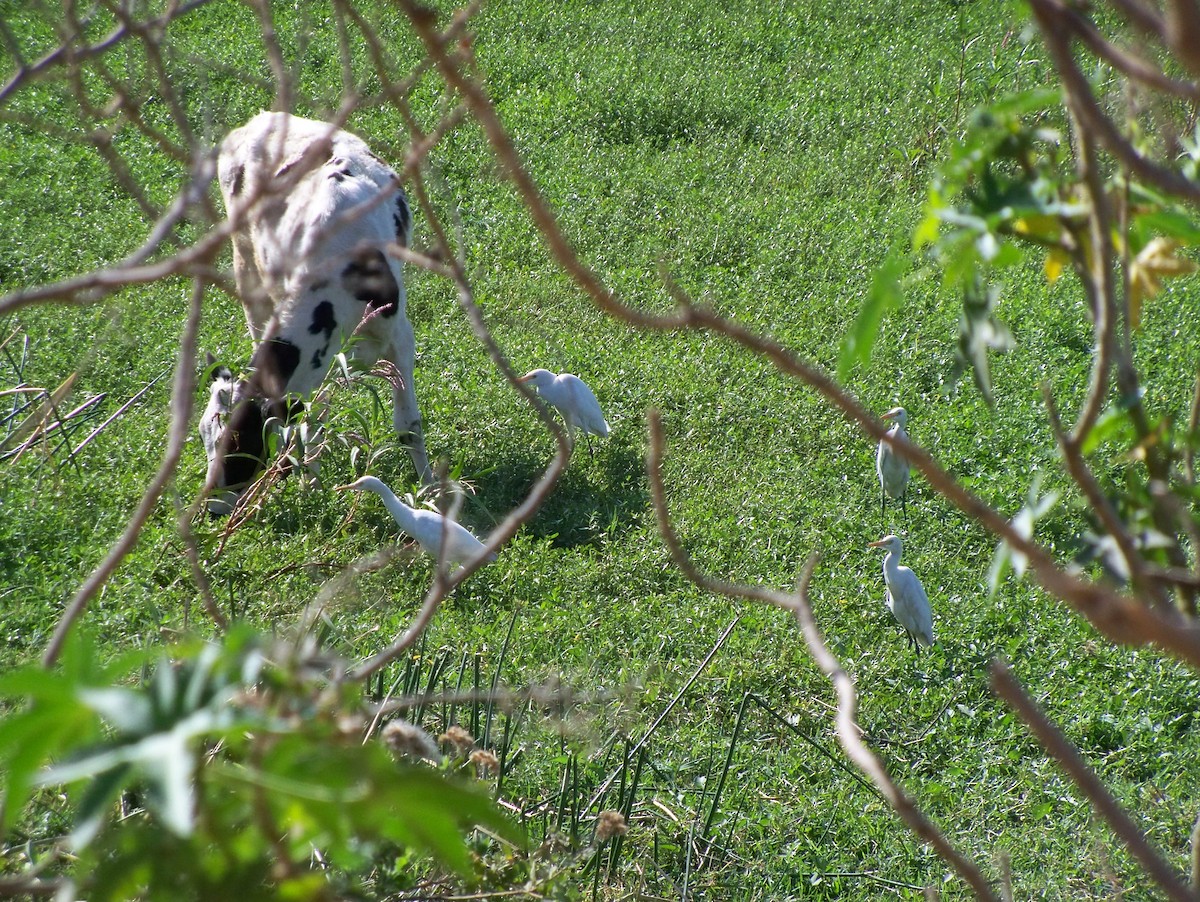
(406, 415)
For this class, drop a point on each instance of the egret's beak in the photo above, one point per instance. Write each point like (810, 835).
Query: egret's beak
(522, 379)
(342, 488)
(890, 415)
(878, 544)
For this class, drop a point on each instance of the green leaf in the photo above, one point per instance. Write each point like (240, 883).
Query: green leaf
(1023, 103)
(94, 804)
(885, 295)
(127, 710)
(1170, 223)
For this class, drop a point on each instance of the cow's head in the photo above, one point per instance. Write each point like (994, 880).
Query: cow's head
(232, 429)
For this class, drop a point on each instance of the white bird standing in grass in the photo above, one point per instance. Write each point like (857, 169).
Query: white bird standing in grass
(906, 597)
(437, 535)
(892, 466)
(571, 397)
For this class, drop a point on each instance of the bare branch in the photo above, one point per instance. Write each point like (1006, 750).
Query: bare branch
(181, 406)
(1049, 14)
(849, 736)
(1121, 618)
(849, 733)
(1133, 66)
(1005, 685)
(1142, 15)
(133, 270)
(68, 49)
(444, 583)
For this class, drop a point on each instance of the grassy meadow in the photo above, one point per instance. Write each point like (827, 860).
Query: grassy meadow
(769, 155)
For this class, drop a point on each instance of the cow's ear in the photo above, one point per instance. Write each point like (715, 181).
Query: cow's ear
(212, 369)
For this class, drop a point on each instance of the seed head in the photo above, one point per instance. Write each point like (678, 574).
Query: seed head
(609, 824)
(409, 740)
(459, 738)
(486, 761)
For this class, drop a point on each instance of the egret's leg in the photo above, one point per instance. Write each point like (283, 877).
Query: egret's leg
(587, 441)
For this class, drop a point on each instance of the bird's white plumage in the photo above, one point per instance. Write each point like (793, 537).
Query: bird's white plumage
(571, 397)
(906, 597)
(891, 466)
(437, 535)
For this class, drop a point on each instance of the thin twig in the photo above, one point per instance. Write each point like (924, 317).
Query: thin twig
(181, 404)
(1119, 617)
(863, 757)
(1005, 685)
(1134, 67)
(1083, 476)
(68, 50)
(1049, 14)
(849, 733)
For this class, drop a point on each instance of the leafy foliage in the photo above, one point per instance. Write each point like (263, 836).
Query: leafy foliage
(238, 758)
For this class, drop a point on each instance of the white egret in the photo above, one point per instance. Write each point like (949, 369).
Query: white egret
(892, 466)
(571, 397)
(906, 597)
(429, 528)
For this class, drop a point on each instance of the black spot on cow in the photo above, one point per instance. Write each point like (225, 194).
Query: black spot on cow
(322, 320)
(319, 285)
(318, 357)
(274, 363)
(239, 176)
(402, 219)
(369, 278)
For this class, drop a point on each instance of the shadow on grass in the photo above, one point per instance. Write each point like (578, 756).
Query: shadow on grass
(601, 495)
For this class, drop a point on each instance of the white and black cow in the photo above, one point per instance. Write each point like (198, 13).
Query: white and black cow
(315, 211)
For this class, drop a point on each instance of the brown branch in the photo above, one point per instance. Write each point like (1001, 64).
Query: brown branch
(1005, 685)
(1134, 67)
(1102, 283)
(444, 583)
(848, 730)
(1082, 474)
(133, 270)
(65, 51)
(1121, 618)
(1103, 314)
(474, 96)
(858, 752)
(21, 886)
(1142, 15)
(1049, 15)
(181, 404)
(192, 551)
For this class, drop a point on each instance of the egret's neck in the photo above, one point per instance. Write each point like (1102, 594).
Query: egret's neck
(397, 508)
(891, 563)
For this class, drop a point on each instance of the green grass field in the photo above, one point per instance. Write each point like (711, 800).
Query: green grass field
(769, 155)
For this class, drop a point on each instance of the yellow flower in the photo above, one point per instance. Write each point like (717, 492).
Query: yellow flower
(1158, 260)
